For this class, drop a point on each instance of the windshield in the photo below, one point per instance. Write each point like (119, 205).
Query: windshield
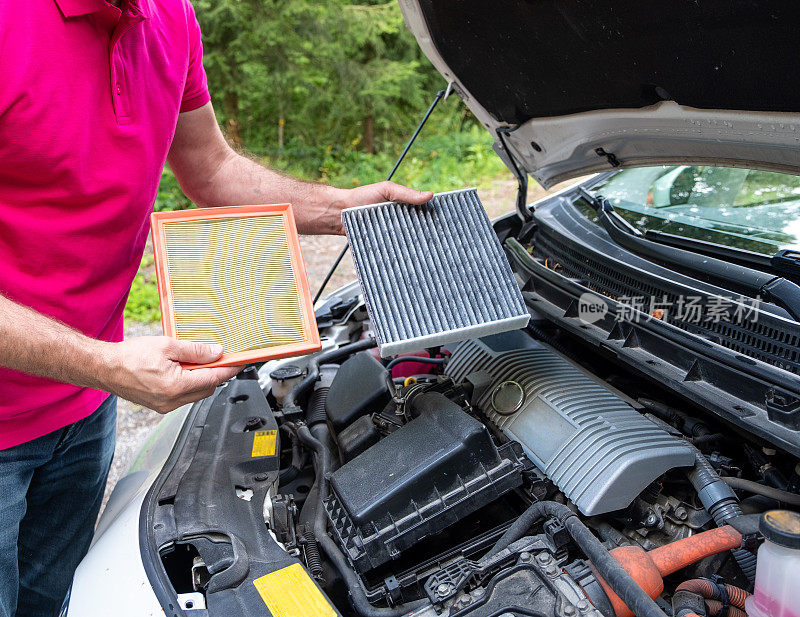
(744, 208)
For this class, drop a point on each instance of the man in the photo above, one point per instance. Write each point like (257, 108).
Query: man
(94, 98)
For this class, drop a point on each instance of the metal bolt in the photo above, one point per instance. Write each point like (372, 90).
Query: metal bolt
(525, 556)
(260, 477)
(569, 609)
(465, 600)
(551, 570)
(651, 520)
(478, 593)
(681, 513)
(442, 589)
(583, 605)
(543, 558)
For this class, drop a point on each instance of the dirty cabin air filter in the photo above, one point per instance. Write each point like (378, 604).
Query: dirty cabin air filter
(234, 276)
(432, 274)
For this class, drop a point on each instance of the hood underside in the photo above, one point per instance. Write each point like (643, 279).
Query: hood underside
(585, 86)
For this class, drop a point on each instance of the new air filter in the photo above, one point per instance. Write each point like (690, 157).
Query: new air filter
(234, 276)
(432, 274)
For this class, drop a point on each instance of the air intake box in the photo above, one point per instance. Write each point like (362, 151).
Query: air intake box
(361, 386)
(423, 477)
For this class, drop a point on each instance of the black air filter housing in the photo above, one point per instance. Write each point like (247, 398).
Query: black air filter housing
(360, 387)
(423, 477)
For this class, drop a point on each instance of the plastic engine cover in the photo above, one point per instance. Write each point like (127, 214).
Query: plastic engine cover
(594, 446)
(423, 477)
(360, 387)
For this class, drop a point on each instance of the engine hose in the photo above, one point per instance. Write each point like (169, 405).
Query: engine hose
(715, 608)
(735, 596)
(290, 400)
(706, 439)
(665, 412)
(356, 593)
(420, 359)
(288, 474)
(762, 489)
(609, 568)
(316, 407)
(721, 503)
(688, 604)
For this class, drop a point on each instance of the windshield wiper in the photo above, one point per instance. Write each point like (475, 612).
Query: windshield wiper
(786, 261)
(737, 278)
(712, 249)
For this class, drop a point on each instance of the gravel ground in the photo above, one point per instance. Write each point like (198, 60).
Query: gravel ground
(134, 421)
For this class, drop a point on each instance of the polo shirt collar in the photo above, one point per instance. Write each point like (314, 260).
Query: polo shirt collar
(75, 8)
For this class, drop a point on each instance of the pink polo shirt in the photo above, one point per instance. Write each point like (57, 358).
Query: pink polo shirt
(89, 100)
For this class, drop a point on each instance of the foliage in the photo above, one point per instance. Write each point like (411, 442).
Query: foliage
(314, 72)
(444, 157)
(142, 303)
(170, 196)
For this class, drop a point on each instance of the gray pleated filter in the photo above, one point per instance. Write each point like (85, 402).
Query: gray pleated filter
(432, 274)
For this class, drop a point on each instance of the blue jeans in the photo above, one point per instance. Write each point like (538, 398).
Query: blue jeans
(50, 494)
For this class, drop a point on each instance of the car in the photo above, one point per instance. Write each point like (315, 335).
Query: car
(635, 449)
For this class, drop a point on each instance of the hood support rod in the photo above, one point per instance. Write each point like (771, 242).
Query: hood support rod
(428, 113)
(522, 178)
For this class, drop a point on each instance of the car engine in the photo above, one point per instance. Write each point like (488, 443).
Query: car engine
(518, 474)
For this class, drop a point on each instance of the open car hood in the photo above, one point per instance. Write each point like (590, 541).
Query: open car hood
(582, 86)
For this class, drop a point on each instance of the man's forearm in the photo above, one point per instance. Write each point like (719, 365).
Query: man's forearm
(33, 343)
(241, 181)
(145, 370)
(212, 174)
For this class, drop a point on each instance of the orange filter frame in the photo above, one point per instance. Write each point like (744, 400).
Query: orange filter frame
(195, 259)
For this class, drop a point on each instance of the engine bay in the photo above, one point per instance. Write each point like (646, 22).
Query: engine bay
(408, 481)
(526, 473)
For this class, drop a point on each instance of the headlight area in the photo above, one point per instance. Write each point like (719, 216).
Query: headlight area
(204, 541)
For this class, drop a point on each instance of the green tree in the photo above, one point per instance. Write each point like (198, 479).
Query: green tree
(313, 73)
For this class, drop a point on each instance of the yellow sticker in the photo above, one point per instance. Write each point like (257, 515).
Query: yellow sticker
(264, 443)
(290, 592)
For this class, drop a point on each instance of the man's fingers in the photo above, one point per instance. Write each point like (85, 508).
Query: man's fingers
(190, 352)
(397, 192)
(205, 378)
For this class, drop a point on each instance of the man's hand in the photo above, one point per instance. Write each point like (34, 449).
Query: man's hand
(212, 174)
(327, 217)
(144, 370)
(148, 371)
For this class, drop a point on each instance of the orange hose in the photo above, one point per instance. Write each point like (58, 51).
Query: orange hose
(648, 568)
(715, 608)
(677, 555)
(736, 595)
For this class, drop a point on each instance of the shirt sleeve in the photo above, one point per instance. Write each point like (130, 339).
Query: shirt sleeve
(195, 93)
